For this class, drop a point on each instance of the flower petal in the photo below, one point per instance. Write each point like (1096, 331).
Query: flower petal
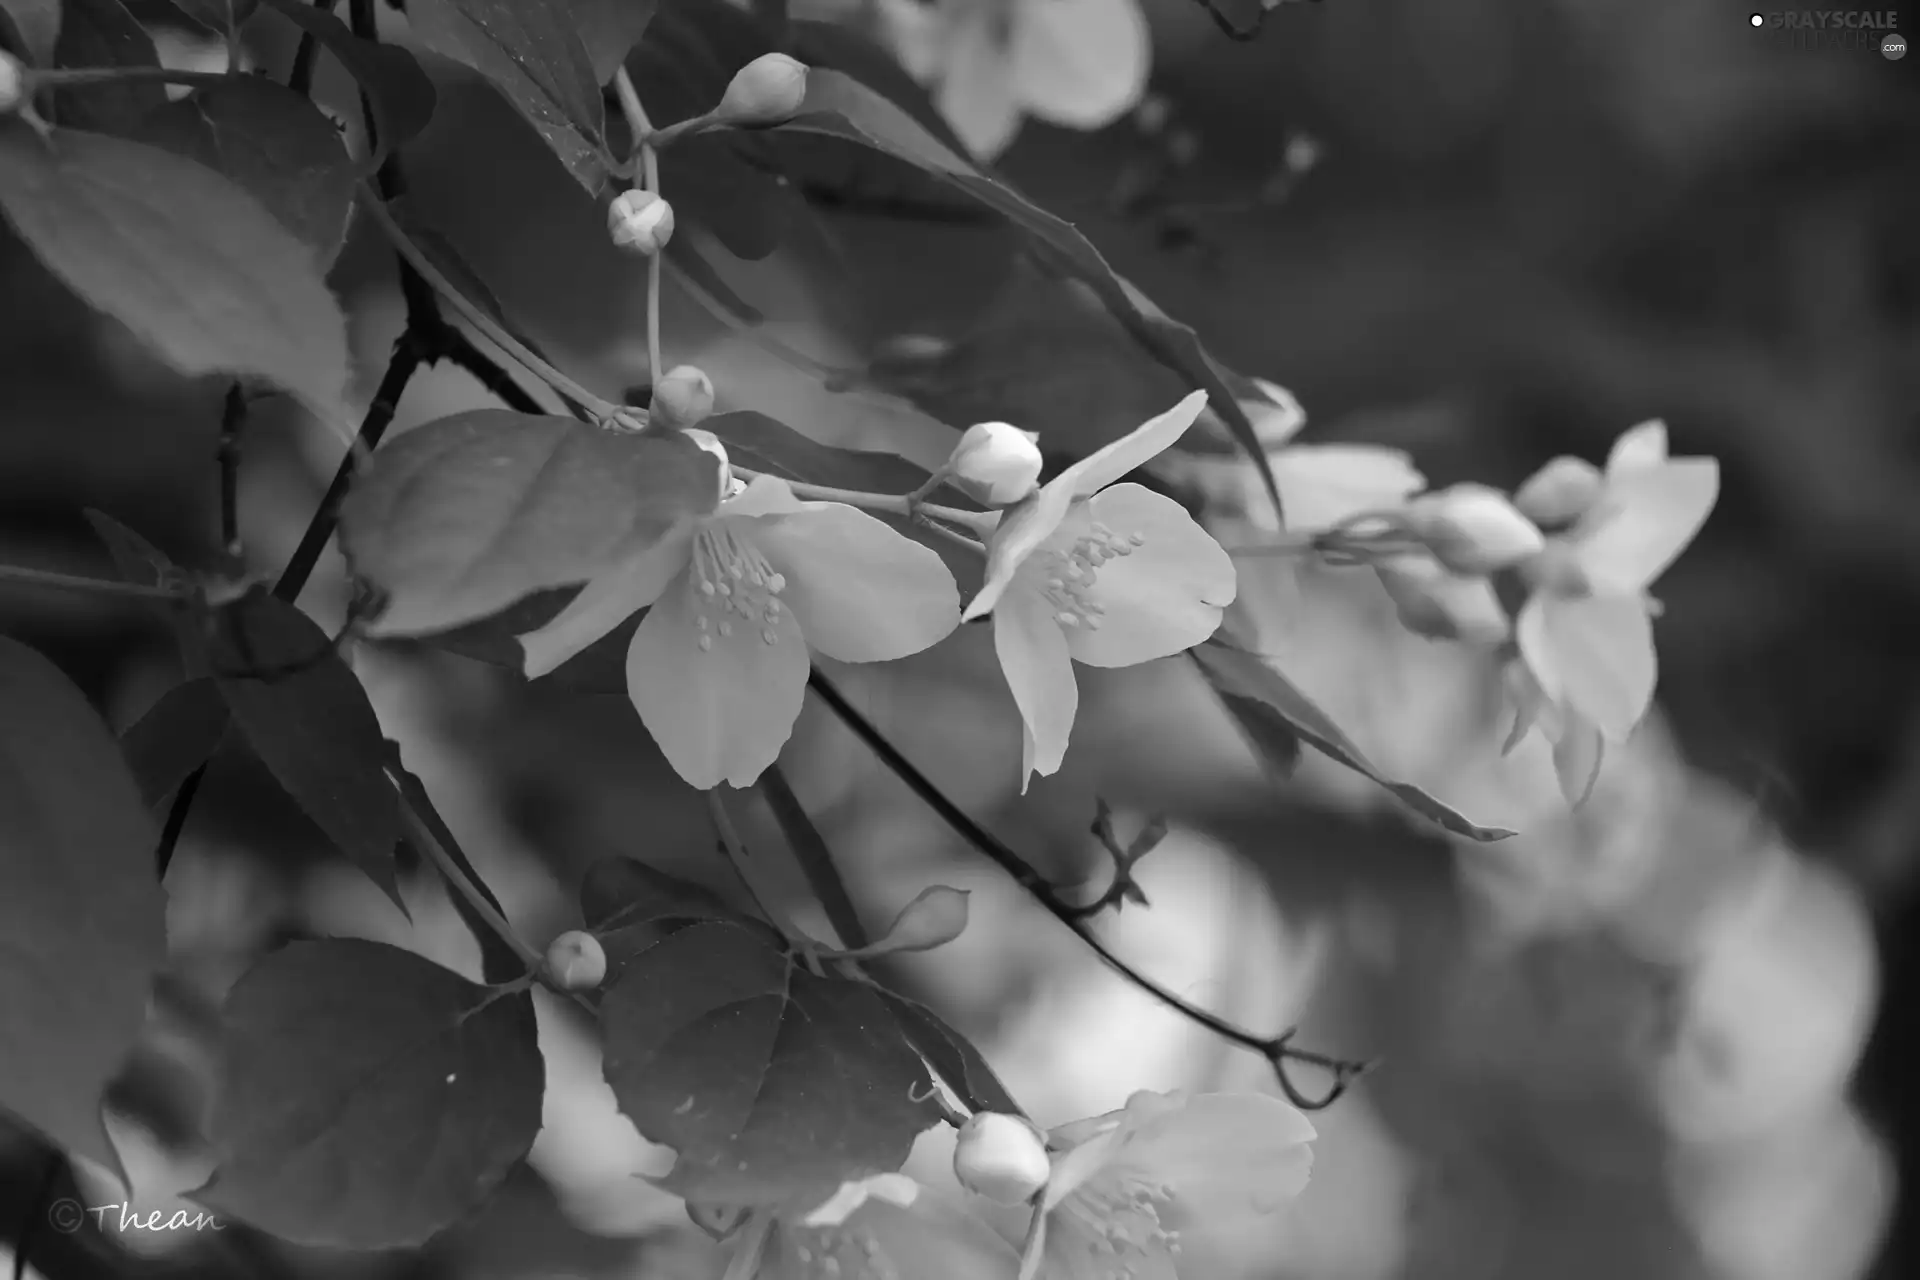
(1224, 1155)
(932, 1239)
(1644, 519)
(862, 591)
(606, 602)
(976, 91)
(1577, 755)
(1637, 448)
(720, 714)
(1021, 529)
(766, 496)
(1033, 654)
(1080, 63)
(1088, 1241)
(1323, 484)
(1600, 652)
(1141, 445)
(1163, 597)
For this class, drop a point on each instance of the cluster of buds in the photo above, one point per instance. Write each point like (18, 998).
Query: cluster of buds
(640, 221)
(1467, 540)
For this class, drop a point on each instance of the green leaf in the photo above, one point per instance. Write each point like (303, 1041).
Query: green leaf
(145, 565)
(370, 1098)
(221, 17)
(760, 443)
(82, 916)
(178, 734)
(530, 51)
(499, 962)
(599, 668)
(954, 1056)
(308, 719)
(190, 263)
(461, 517)
(608, 31)
(838, 106)
(37, 24)
(401, 93)
(458, 271)
(630, 907)
(765, 1078)
(1239, 673)
(274, 144)
(101, 33)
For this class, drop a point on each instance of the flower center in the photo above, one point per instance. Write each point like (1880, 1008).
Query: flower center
(844, 1253)
(1120, 1215)
(733, 585)
(1067, 576)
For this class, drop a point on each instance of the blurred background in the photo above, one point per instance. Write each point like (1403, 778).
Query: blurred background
(1663, 1037)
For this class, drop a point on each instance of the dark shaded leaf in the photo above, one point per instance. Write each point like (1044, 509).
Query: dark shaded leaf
(529, 50)
(954, 1056)
(599, 668)
(608, 31)
(191, 264)
(499, 962)
(177, 735)
(458, 271)
(1270, 733)
(841, 107)
(461, 517)
(37, 24)
(682, 253)
(143, 564)
(629, 906)
(308, 719)
(101, 33)
(765, 1078)
(370, 1098)
(274, 144)
(218, 16)
(760, 443)
(82, 916)
(401, 93)
(1240, 673)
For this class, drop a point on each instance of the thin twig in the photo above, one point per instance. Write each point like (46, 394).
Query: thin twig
(233, 413)
(1277, 1050)
(66, 77)
(641, 127)
(76, 582)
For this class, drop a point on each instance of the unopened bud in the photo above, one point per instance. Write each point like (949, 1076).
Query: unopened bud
(683, 397)
(640, 221)
(768, 90)
(711, 443)
(576, 961)
(931, 920)
(1556, 570)
(1001, 1157)
(1560, 492)
(1472, 529)
(13, 88)
(1442, 605)
(996, 462)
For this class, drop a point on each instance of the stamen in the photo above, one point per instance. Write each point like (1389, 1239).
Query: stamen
(1069, 575)
(735, 581)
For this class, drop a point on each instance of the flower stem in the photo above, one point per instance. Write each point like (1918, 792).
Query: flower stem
(75, 582)
(642, 130)
(898, 504)
(63, 77)
(736, 852)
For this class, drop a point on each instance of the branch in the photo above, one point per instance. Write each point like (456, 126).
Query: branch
(1277, 1050)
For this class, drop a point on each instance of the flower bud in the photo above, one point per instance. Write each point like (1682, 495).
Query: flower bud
(1472, 529)
(931, 920)
(996, 462)
(1556, 570)
(640, 221)
(683, 397)
(1001, 1157)
(13, 89)
(1442, 605)
(1560, 492)
(768, 90)
(711, 443)
(576, 961)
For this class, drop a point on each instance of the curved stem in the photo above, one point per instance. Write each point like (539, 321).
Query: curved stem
(897, 504)
(642, 130)
(404, 245)
(75, 582)
(61, 78)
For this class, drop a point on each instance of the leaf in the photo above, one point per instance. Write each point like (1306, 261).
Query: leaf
(454, 266)
(101, 33)
(218, 16)
(629, 907)
(37, 24)
(189, 262)
(1271, 733)
(178, 734)
(529, 50)
(954, 1056)
(765, 1078)
(842, 48)
(145, 565)
(684, 254)
(1240, 673)
(274, 144)
(499, 962)
(599, 668)
(608, 31)
(82, 916)
(390, 76)
(370, 1098)
(308, 719)
(461, 517)
(838, 106)
(760, 443)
